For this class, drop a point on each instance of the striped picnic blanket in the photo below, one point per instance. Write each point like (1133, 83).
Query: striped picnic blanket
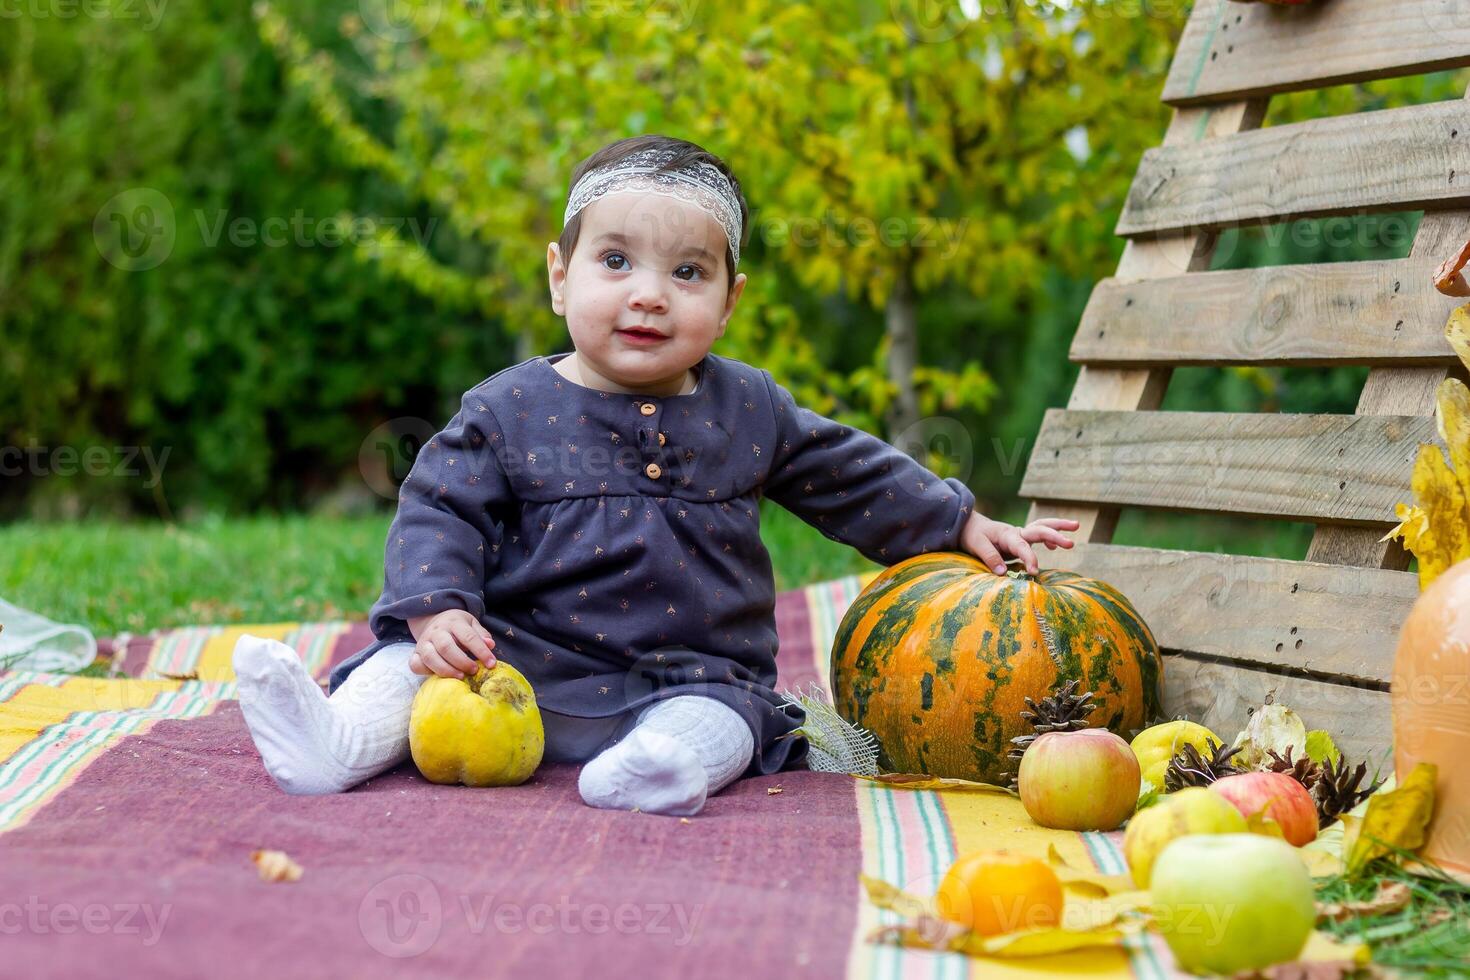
(130, 806)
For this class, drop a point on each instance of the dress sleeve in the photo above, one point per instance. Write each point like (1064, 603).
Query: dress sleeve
(859, 490)
(444, 540)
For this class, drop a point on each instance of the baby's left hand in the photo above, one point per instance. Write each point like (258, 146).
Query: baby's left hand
(986, 539)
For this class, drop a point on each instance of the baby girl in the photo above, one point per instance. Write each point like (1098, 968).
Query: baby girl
(593, 519)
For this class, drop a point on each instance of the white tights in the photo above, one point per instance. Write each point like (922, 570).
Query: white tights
(680, 751)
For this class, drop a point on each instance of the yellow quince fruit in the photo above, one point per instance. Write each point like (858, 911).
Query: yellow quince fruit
(1157, 745)
(483, 730)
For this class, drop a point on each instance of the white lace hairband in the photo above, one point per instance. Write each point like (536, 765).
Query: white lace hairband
(701, 184)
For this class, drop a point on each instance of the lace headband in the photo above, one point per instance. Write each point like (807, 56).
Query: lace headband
(700, 184)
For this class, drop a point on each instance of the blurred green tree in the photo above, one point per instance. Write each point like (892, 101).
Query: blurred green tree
(886, 157)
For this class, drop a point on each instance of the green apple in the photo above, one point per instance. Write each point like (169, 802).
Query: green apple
(1231, 902)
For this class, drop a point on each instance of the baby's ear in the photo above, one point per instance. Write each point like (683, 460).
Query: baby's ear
(556, 273)
(732, 299)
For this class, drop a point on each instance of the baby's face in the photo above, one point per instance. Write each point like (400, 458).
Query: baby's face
(644, 293)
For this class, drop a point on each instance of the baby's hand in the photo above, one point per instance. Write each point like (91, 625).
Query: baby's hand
(985, 539)
(449, 643)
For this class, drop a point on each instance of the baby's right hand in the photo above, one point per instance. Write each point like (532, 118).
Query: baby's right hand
(449, 643)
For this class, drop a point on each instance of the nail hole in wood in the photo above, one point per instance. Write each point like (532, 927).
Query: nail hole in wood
(1100, 333)
(1214, 55)
(1342, 485)
(1397, 286)
(1230, 49)
(1293, 631)
(1298, 645)
(1279, 647)
(1294, 587)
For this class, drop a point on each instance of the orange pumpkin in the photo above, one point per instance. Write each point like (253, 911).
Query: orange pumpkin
(938, 655)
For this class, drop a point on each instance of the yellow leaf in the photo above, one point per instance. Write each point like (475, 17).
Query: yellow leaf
(1083, 882)
(910, 780)
(1259, 823)
(1045, 942)
(1397, 819)
(1457, 332)
(892, 898)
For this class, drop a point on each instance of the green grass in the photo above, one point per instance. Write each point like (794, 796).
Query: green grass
(1430, 937)
(114, 577)
(136, 577)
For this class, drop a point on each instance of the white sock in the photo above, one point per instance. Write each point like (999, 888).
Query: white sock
(682, 750)
(314, 744)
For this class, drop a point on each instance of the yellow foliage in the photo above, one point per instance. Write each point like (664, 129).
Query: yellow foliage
(1396, 820)
(1437, 529)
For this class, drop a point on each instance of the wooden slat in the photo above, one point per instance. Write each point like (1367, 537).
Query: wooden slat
(1110, 388)
(1343, 468)
(1232, 50)
(1328, 622)
(1396, 391)
(1221, 696)
(1342, 313)
(1397, 159)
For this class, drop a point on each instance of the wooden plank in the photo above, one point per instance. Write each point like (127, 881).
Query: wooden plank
(1221, 696)
(1234, 51)
(1109, 388)
(1324, 622)
(1306, 315)
(1346, 468)
(1406, 159)
(1397, 391)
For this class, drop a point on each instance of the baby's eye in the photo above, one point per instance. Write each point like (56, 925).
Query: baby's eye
(615, 257)
(688, 271)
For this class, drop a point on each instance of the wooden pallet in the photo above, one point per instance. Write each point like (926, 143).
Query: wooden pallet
(1319, 633)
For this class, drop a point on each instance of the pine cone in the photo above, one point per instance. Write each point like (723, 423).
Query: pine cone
(1062, 711)
(1338, 790)
(1303, 770)
(1189, 768)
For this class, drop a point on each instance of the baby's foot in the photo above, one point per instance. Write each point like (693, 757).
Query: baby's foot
(647, 771)
(294, 726)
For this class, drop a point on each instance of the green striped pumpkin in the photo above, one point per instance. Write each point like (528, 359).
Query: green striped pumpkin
(939, 653)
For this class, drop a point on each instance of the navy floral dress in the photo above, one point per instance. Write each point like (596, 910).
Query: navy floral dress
(610, 543)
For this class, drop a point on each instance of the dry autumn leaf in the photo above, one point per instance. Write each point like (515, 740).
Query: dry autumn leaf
(1092, 884)
(276, 866)
(912, 780)
(1098, 924)
(1390, 897)
(1397, 819)
(1449, 278)
(1436, 530)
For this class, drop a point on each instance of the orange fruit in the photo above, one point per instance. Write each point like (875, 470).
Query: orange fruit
(993, 892)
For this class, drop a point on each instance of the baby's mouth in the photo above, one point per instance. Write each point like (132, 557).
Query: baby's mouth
(640, 335)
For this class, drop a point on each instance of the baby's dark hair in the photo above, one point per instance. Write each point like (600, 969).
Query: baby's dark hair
(685, 154)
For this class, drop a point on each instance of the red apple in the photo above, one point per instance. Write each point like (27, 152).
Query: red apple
(1086, 780)
(1275, 795)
